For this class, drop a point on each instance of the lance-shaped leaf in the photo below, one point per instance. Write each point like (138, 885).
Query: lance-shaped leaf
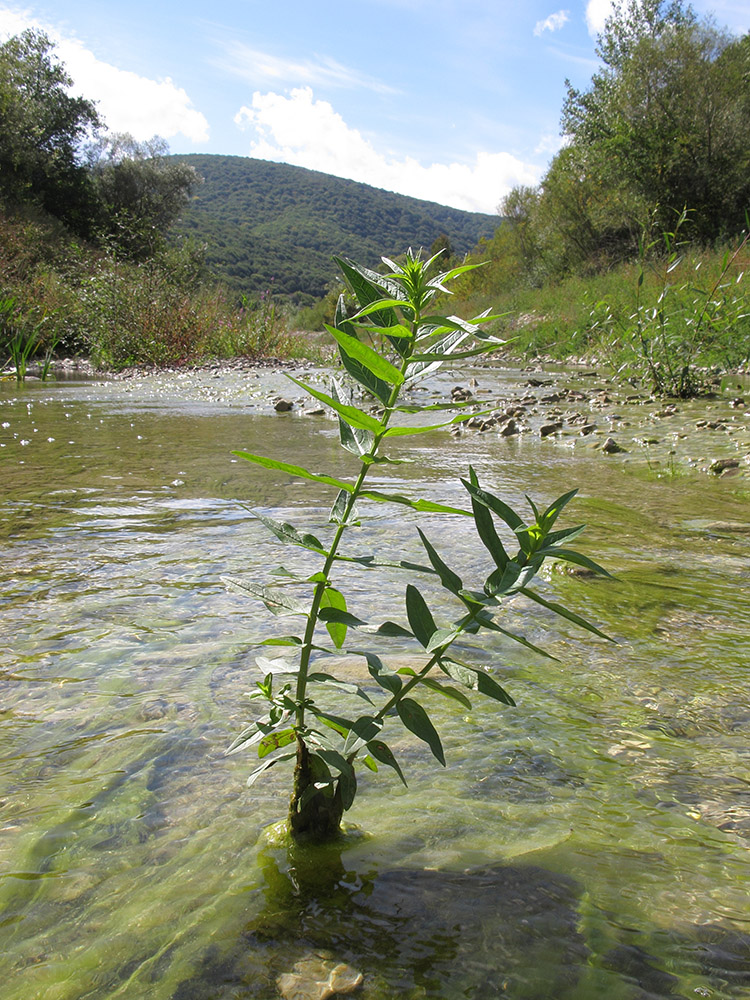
(445, 347)
(334, 600)
(339, 616)
(404, 431)
(496, 505)
(385, 677)
(393, 630)
(267, 763)
(363, 729)
(447, 691)
(357, 440)
(508, 579)
(571, 616)
(486, 622)
(420, 618)
(286, 532)
(274, 599)
(352, 414)
(347, 777)
(379, 389)
(450, 580)
(375, 363)
(382, 752)
(422, 505)
(567, 555)
(337, 514)
(475, 680)
(554, 510)
(274, 741)
(323, 678)
(418, 722)
(293, 470)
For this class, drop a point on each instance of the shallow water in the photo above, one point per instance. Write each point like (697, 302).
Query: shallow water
(591, 842)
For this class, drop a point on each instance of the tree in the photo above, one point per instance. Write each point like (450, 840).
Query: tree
(41, 131)
(141, 191)
(668, 116)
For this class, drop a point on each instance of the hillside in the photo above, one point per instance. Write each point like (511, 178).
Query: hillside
(270, 222)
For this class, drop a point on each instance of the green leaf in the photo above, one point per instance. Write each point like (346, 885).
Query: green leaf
(282, 640)
(420, 618)
(393, 630)
(379, 389)
(347, 777)
(267, 763)
(418, 722)
(486, 622)
(293, 470)
(385, 677)
(566, 555)
(421, 505)
(363, 729)
(382, 752)
(485, 526)
(352, 414)
(331, 681)
(274, 741)
(475, 680)
(339, 616)
(450, 580)
(357, 440)
(426, 428)
(275, 600)
(334, 600)
(286, 532)
(443, 689)
(496, 505)
(338, 511)
(571, 616)
(554, 510)
(375, 363)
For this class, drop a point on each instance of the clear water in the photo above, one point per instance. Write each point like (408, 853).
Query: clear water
(592, 842)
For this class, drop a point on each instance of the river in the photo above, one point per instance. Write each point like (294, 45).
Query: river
(591, 842)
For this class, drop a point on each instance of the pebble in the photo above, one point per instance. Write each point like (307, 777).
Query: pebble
(283, 405)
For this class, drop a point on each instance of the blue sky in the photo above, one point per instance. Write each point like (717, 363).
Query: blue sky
(455, 101)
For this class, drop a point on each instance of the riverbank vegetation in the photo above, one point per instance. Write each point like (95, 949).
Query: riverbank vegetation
(633, 247)
(87, 265)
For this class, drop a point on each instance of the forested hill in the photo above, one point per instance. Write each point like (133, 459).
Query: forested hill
(266, 222)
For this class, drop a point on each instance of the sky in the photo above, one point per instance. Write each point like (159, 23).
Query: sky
(453, 101)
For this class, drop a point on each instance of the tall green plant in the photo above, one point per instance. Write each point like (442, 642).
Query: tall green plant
(298, 724)
(666, 335)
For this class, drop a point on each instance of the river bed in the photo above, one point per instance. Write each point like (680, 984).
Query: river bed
(591, 842)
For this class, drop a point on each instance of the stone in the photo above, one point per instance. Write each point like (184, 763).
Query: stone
(316, 977)
(722, 465)
(283, 405)
(611, 447)
(510, 428)
(546, 429)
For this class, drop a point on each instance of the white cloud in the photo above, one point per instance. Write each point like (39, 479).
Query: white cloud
(260, 67)
(552, 23)
(298, 129)
(126, 101)
(597, 12)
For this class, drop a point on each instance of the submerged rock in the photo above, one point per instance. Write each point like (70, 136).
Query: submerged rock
(317, 977)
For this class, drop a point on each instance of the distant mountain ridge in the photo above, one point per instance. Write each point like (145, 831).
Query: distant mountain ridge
(274, 225)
